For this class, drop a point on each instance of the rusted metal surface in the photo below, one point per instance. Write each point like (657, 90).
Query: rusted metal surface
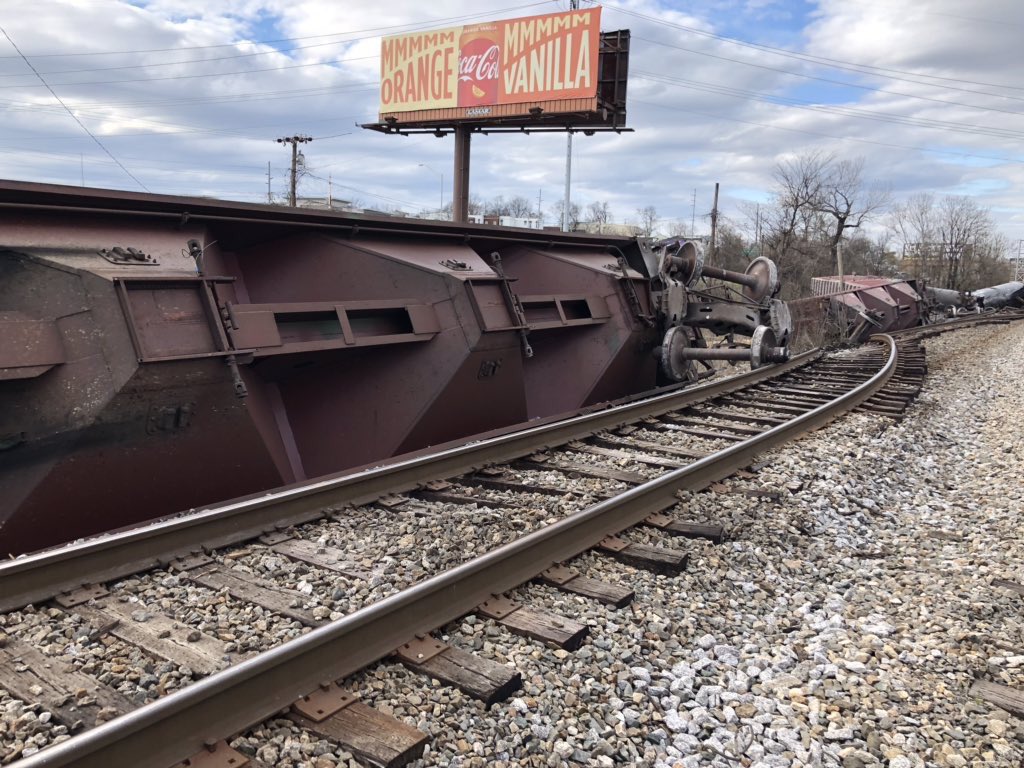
(132, 323)
(862, 305)
(39, 576)
(162, 354)
(177, 725)
(28, 348)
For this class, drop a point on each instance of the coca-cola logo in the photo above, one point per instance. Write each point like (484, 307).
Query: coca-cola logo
(480, 66)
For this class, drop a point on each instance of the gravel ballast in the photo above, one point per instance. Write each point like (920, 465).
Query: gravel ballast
(842, 625)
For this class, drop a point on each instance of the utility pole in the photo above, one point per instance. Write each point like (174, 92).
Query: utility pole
(757, 232)
(294, 141)
(568, 183)
(714, 224)
(693, 216)
(540, 211)
(270, 196)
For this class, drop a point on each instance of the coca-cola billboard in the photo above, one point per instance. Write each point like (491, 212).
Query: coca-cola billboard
(470, 70)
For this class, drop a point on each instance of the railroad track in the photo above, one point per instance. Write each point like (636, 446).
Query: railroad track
(999, 317)
(606, 472)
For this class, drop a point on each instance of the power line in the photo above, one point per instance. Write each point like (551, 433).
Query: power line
(356, 87)
(414, 24)
(210, 74)
(392, 200)
(829, 136)
(73, 115)
(835, 110)
(844, 83)
(182, 127)
(411, 27)
(836, 63)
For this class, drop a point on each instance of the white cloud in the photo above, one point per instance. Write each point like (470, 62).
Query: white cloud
(186, 126)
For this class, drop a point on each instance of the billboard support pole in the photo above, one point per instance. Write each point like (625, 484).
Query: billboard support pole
(460, 183)
(574, 5)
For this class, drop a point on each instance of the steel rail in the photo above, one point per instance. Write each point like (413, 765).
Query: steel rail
(42, 575)
(174, 727)
(999, 317)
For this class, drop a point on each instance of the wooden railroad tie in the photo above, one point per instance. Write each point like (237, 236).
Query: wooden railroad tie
(713, 531)
(1013, 586)
(74, 698)
(1003, 696)
(335, 713)
(569, 580)
(550, 628)
(658, 559)
(539, 462)
(481, 678)
(218, 755)
(157, 634)
(251, 589)
(328, 558)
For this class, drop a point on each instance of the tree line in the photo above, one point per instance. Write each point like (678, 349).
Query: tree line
(819, 205)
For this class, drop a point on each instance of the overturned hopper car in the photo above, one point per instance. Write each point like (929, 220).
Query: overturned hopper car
(162, 353)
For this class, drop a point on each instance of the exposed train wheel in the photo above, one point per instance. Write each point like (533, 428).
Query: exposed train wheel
(767, 285)
(674, 367)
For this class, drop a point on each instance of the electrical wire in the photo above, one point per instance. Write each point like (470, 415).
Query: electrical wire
(835, 110)
(263, 95)
(73, 115)
(971, 155)
(392, 200)
(843, 83)
(415, 27)
(836, 63)
(209, 74)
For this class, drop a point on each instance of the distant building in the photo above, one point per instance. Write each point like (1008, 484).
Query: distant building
(607, 228)
(505, 221)
(342, 206)
(327, 204)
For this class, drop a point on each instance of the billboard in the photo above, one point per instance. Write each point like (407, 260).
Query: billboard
(498, 68)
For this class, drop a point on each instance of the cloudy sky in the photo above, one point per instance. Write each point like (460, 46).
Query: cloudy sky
(187, 96)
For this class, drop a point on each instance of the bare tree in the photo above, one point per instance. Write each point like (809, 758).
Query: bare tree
(599, 212)
(846, 199)
(734, 251)
(950, 242)
(965, 226)
(648, 216)
(817, 201)
(866, 256)
(798, 190)
(575, 214)
(520, 207)
(496, 206)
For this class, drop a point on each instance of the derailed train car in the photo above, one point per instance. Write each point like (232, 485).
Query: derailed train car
(162, 353)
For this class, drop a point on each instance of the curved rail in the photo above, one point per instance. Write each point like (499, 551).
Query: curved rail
(42, 575)
(178, 725)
